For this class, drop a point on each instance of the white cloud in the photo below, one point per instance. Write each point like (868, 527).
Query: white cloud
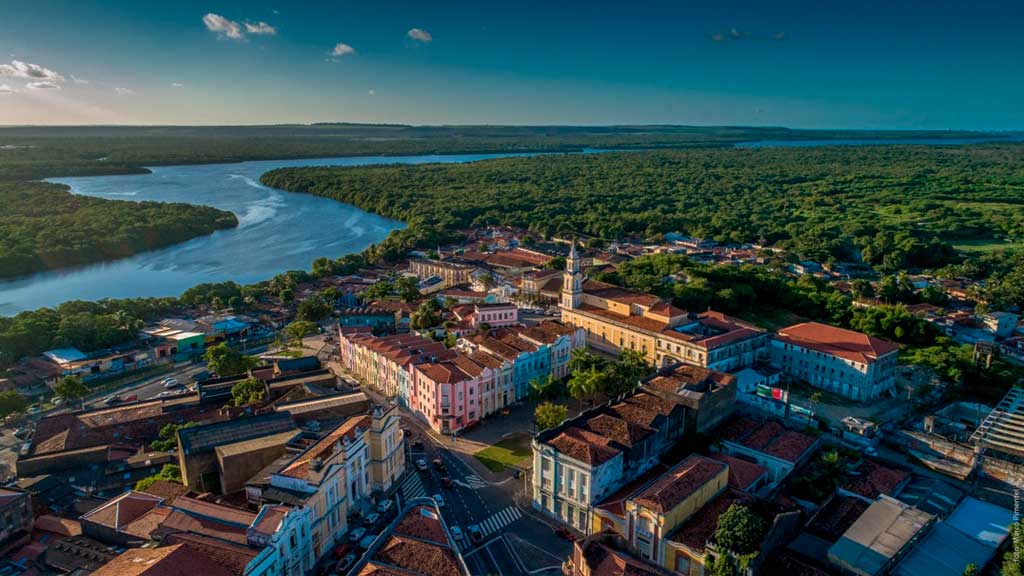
(43, 85)
(372, 91)
(260, 28)
(123, 91)
(342, 49)
(177, 85)
(5, 89)
(223, 27)
(19, 69)
(420, 34)
(78, 80)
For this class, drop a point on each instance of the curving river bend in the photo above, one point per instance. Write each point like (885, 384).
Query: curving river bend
(277, 231)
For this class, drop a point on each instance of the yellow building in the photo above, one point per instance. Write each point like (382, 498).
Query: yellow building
(618, 319)
(648, 517)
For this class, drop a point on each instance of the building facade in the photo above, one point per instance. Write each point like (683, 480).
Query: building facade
(850, 364)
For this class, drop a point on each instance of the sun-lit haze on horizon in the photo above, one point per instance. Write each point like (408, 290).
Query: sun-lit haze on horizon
(874, 64)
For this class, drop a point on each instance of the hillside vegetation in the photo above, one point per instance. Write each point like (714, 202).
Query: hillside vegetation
(896, 207)
(44, 226)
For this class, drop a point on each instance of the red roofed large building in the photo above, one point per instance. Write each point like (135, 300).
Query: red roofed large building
(619, 319)
(850, 364)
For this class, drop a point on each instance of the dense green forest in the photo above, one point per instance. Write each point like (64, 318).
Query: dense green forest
(48, 152)
(895, 207)
(44, 226)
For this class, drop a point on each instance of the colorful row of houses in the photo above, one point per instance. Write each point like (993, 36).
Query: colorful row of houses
(452, 389)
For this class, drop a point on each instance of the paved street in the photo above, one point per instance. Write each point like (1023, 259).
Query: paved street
(472, 500)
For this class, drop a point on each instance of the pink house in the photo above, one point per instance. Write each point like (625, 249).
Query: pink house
(495, 315)
(446, 394)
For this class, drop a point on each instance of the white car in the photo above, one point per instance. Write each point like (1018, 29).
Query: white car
(456, 532)
(421, 463)
(439, 500)
(384, 506)
(355, 535)
(171, 383)
(372, 518)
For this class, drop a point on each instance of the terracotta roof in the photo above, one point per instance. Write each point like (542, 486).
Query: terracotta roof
(547, 332)
(144, 526)
(584, 446)
(603, 560)
(875, 480)
(299, 468)
(700, 527)
(768, 437)
(641, 322)
(742, 473)
(57, 525)
(122, 510)
(175, 560)
(178, 522)
(418, 556)
(847, 344)
(167, 490)
(667, 309)
(618, 430)
(234, 557)
(443, 372)
(688, 376)
(270, 519)
(615, 504)
(679, 483)
(214, 511)
(618, 294)
(836, 517)
(422, 523)
(487, 359)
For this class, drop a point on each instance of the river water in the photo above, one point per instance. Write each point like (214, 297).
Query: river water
(277, 231)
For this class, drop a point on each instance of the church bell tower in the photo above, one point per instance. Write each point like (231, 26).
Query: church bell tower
(572, 281)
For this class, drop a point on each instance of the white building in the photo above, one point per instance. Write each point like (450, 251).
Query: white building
(850, 364)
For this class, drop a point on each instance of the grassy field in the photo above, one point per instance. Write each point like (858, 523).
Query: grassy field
(509, 452)
(987, 246)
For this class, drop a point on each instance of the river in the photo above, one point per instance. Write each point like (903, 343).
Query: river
(277, 231)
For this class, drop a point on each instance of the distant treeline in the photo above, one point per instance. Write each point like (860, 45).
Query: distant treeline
(894, 207)
(39, 152)
(44, 226)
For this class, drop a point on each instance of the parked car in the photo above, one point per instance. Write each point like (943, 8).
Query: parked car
(565, 533)
(341, 551)
(367, 541)
(456, 532)
(372, 518)
(356, 535)
(421, 464)
(475, 534)
(57, 400)
(111, 400)
(170, 383)
(346, 562)
(21, 433)
(384, 505)
(439, 465)
(439, 500)
(447, 482)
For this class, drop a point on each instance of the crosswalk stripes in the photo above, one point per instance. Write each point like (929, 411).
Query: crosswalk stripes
(412, 486)
(499, 520)
(475, 482)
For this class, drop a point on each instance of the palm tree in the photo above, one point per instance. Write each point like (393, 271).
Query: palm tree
(544, 389)
(582, 359)
(581, 385)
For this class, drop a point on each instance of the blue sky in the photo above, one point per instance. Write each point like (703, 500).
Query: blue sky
(822, 64)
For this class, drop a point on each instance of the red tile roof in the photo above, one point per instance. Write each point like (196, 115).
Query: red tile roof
(178, 522)
(418, 556)
(618, 430)
(603, 560)
(122, 510)
(422, 522)
(234, 557)
(615, 504)
(584, 446)
(700, 527)
(679, 483)
(768, 437)
(847, 344)
(875, 480)
(742, 473)
(175, 560)
(324, 448)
